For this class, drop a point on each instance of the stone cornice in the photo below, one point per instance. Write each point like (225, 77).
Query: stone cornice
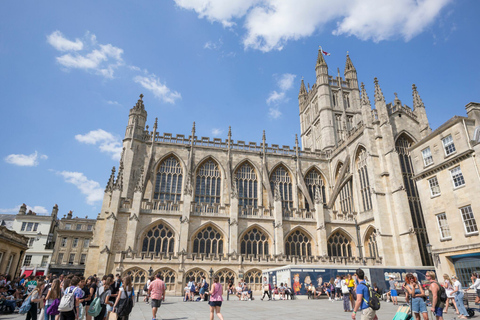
(442, 166)
(13, 238)
(457, 248)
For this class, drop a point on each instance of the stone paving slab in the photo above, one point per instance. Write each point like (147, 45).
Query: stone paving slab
(175, 309)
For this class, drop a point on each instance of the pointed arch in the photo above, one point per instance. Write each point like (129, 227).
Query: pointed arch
(338, 168)
(208, 240)
(169, 277)
(208, 180)
(250, 162)
(168, 155)
(156, 238)
(253, 278)
(255, 241)
(298, 243)
(225, 275)
(361, 166)
(246, 180)
(370, 243)
(169, 172)
(195, 275)
(405, 134)
(281, 183)
(316, 183)
(138, 275)
(340, 244)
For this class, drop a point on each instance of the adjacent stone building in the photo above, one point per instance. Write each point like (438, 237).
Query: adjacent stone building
(71, 245)
(40, 231)
(185, 205)
(12, 250)
(447, 165)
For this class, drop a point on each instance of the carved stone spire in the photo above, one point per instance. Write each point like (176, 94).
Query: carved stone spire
(320, 59)
(119, 183)
(111, 181)
(396, 101)
(365, 100)
(417, 101)
(303, 90)
(348, 64)
(378, 92)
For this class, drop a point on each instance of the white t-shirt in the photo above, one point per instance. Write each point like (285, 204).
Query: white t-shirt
(459, 285)
(123, 295)
(338, 283)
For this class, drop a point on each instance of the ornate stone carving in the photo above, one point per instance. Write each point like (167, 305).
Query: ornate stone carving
(234, 191)
(318, 196)
(188, 186)
(277, 196)
(111, 181)
(184, 219)
(139, 186)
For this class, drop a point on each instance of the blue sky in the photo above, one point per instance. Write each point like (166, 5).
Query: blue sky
(70, 72)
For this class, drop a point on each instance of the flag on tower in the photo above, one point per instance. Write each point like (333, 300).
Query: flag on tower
(324, 52)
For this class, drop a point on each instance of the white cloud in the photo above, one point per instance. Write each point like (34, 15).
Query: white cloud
(213, 45)
(274, 113)
(159, 90)
(25, 160)
(216, 132)
(91, 189)
(102, 59)
(59, 42)
(269, 24)
(36, 209)
(106, 142)
(115, 103)
(276, 97)
(285, 81)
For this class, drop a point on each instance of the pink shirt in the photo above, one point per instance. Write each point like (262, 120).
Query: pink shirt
(217, 292)
(157, 289)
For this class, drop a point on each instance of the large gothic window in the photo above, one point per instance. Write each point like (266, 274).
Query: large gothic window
(207, 184)
(280, 179)
(402, 145)
(253, 278)
(139, 277)
(364, 182)
(339, 245)
(371, 247)
(168, 183)
(346, 199)
(195, 275)
(209, 241)
(254, 242)
(158, 239)
(224, 275)
(298, 244)
(315, 183)
(246, 181)
(169, 277)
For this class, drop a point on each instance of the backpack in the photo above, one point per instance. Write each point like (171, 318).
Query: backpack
(373, 298)
(97, 303)
(145, 287)
(192, 287)
(126, 307)
(26, 305)
(53, 308)
(205, 286)
(442, 294)
(68, 301)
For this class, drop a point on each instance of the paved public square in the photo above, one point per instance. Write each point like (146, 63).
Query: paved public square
(175, 309)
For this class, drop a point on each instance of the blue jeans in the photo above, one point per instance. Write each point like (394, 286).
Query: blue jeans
(47, 316)
(460, 305)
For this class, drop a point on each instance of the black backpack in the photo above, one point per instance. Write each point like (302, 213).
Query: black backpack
(442, 294)
(373, 298)
(126, 307)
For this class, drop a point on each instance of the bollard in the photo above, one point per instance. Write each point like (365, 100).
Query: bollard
(138, 295)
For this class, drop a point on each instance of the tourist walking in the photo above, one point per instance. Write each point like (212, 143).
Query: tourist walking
(104, 295)
(476, 286)
(363, 297)
(91, 288)
(434, 295)
(346, 294)
(417, 296)
(338, 287)
(54, 293)
(458, 294)
(216, 299)
(125, 293)
(203, 287)
(76, 289)
(156, 292)
(191, 287)
(393, 291)
(447, 284)
(35, 297)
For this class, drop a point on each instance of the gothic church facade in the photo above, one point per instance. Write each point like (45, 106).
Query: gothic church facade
(188, 206)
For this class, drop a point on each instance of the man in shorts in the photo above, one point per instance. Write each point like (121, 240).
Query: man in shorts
(363, 297)
(156, 292)
(434, 296)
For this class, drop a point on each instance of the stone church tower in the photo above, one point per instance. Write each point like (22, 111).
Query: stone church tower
(186, 205)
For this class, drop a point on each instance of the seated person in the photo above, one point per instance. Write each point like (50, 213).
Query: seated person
(245, 294)
(238, 291)
(288, 291)
(8, 300)
(275, 292)
(281, 291)
(186, 291)
(319, 291)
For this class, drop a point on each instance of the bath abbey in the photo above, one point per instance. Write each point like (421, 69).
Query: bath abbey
(187, 206)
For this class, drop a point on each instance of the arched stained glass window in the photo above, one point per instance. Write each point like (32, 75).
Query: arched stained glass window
(339, 245)
(195, 275)
(298, 243)
(169, 277)
(246, 180)
(253, 278)
(139, 277)
(254, 242)
(158, 239)
(209, 241)
(281, 177)
(207, 184)
(364, 182)
(168, 183)
(224, 275)
(371, 247)
(314, 182)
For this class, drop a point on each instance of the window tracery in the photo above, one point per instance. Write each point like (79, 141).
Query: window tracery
(314, 182)
(139, 277)
(339, 245)
(168, 183)
(209, 241)
(246, 181)
(298, 244)
(254, 279)
(281, 178)
(208, 181)
(159, 238)
(169, 277)
(195, 274)
(371, 244)
(364, 182)
(254, 242)
(224, 275)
